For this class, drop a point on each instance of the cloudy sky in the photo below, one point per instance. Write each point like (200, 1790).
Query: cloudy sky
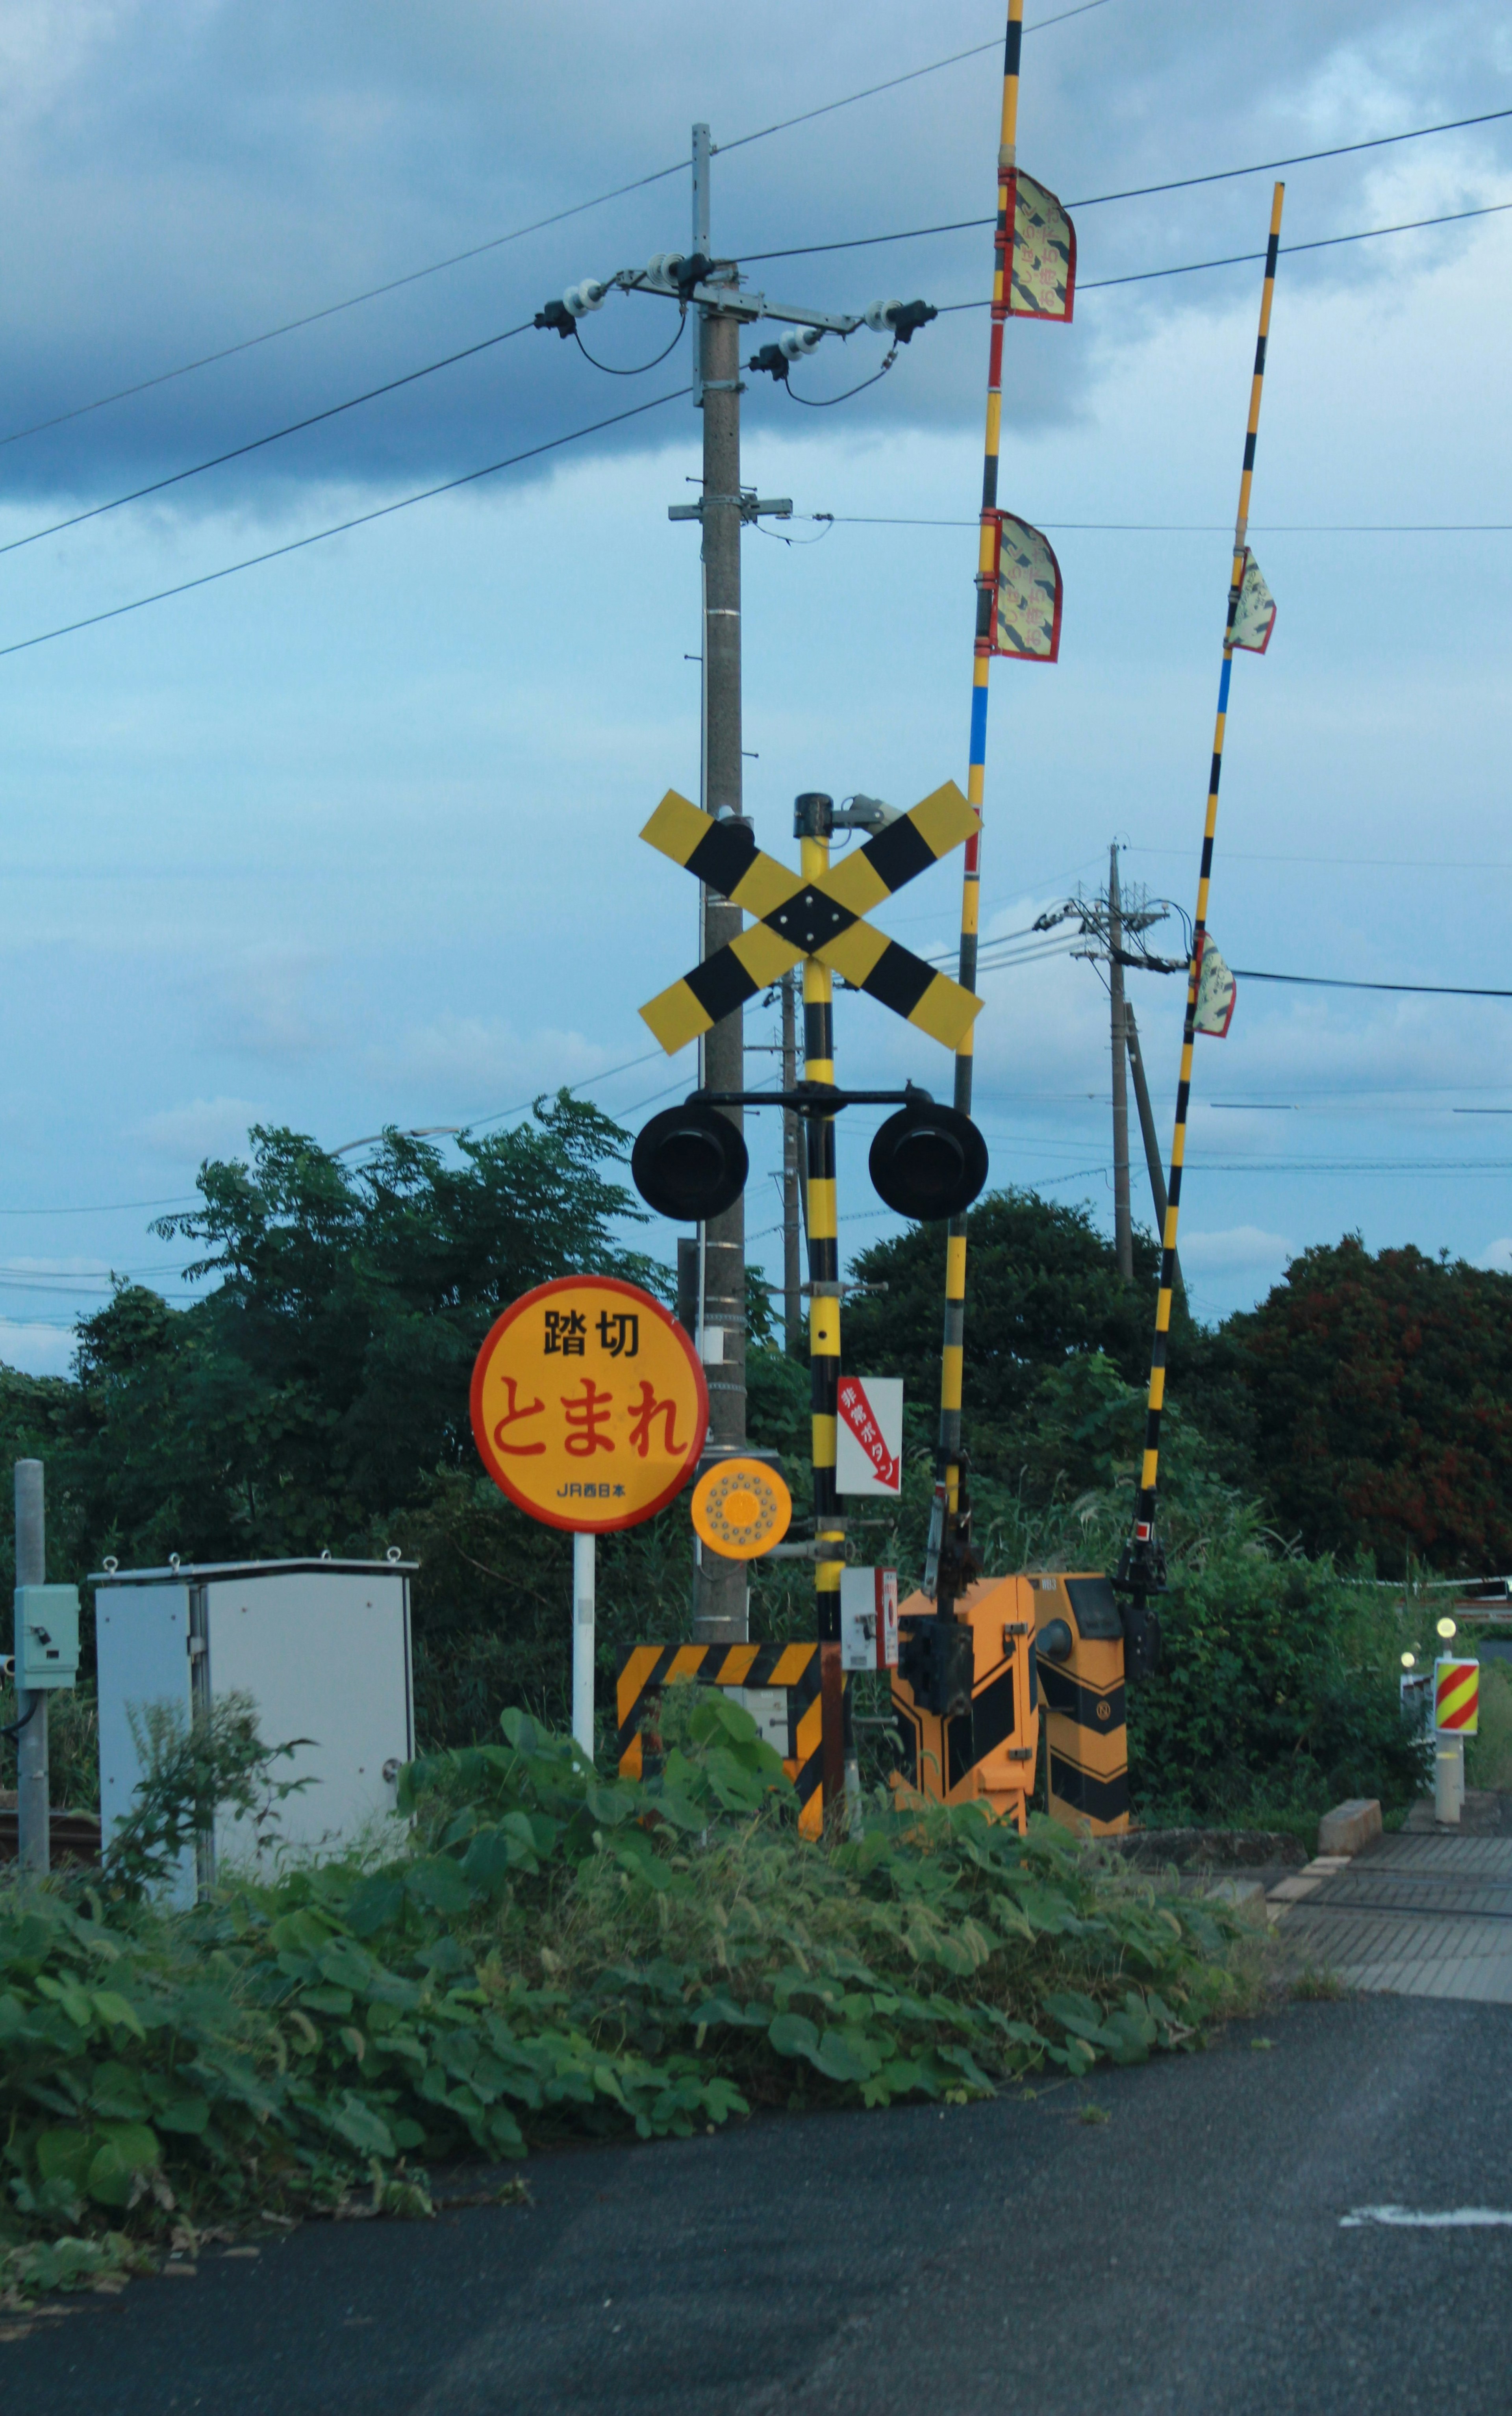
(350, 836)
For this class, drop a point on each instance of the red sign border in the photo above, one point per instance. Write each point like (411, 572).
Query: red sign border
(475, 1401)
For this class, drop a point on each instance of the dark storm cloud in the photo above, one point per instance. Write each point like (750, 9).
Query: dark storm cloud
(178, 177)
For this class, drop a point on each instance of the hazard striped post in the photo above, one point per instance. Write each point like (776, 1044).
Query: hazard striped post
(947, 1463)
(1140, 1568)
(1456, 1716)
(824, 1318)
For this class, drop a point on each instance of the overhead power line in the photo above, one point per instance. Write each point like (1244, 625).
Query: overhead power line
(869, 92)
(1238, 259)
(254, 443)
(1134, 192)
(339, 528)
(677, 167)
(1192, 528)
(515, 234)
(1330, 981)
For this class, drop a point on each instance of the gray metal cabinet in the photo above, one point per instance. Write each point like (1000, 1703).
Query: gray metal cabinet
(323, 1649)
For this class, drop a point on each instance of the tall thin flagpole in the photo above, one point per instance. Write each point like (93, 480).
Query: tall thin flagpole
(947, 1463)
(1141, 1568)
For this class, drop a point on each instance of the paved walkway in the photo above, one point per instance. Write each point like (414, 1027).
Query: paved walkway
(1414, 1915)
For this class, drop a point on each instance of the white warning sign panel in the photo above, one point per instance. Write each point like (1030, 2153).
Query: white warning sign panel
(868, 1452)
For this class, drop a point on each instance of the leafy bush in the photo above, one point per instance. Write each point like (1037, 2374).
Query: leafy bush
(1279, 1690)
(1489, 1754)
(551, 1952)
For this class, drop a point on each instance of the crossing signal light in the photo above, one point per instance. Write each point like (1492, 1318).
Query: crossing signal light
(690, 1163)
(927, 1162)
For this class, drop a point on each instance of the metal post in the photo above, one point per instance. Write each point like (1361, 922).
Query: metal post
(1141, 1565)
(794, 1172)
(1123, 1220)
(813, 821)
(720, 1597)
(583, 1640)
(952, 1355)
(1151, 1139)
(33, 1809)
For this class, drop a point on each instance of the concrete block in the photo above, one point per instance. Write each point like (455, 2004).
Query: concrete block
(1293, 1890)
(1349, 1826)
(1322, 1866)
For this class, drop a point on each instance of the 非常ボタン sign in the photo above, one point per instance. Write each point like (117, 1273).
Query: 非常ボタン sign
(741, 1508)
(869, 1434)
(589, 1404)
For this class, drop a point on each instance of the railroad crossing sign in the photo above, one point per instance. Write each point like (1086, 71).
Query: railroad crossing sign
(589, 1404)
(825, 917)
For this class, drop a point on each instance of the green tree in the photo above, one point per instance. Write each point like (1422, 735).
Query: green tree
(1381, 1405)
(1042, 1285)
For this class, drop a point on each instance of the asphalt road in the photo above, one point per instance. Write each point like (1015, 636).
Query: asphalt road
(1185, 2255)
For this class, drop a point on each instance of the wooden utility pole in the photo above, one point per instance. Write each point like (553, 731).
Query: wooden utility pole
(1122, 1221)
(1151, 1139)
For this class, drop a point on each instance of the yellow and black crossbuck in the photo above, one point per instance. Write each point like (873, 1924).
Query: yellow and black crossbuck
(823, 918)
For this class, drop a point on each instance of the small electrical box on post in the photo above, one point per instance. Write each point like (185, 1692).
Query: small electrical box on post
(47, 1637)
(869, 1619)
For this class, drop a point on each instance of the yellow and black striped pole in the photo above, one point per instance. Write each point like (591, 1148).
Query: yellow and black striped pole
(948, 1462)
(812, 818)
(1142, 1569)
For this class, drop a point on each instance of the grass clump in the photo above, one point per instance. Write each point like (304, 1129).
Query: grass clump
(545, 1953)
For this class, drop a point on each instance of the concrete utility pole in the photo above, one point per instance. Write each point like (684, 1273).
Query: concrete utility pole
(1151, 1137)
(721, 1592)
(1122, 1222)
(793, 1186)
(33, 1809)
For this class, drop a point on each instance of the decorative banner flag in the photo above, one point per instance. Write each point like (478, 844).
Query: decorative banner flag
(1026, 621)
(1255, 617)
(868, 1436)
(1216, 990)
(1042, 279)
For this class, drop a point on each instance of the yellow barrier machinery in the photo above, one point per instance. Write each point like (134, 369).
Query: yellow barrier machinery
(970, 1742)
(1078, 1646)
(1046, 1646)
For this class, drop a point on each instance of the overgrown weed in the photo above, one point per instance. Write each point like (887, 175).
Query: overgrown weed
(544, 1952)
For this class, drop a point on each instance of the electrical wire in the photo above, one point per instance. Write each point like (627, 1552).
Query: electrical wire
(515, 234)
(826, 108)
(371, 294)
(1198, 528)
(608, 367)
(1329, 981)
(1133, 192)
(1320, 243)
(1237, 259)
(824, 402)
(658, 176)
(339, 528)
(106, 1208)
(255, 444)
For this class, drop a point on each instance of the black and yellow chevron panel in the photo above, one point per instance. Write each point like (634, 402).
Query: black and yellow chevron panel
(646, 1669)
(821, 915)
(1082, 1700)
